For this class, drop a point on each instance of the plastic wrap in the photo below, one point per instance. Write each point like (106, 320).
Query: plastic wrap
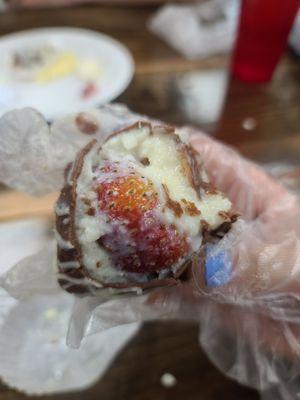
(244, 293)
(250, 326)
(34, 154)
(34, 330)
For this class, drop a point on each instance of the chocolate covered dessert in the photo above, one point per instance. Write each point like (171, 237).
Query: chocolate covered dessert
(135, 212)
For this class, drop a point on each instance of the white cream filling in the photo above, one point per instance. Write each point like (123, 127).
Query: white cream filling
(165, 168)
(61, 209)
(90, 228)
(63, 244)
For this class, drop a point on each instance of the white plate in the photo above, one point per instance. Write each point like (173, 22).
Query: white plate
(62, 96)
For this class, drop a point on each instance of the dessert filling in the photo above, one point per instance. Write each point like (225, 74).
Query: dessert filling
(139, 213)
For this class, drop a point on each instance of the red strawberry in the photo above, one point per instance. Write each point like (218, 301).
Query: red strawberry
(140, 242)
(153, 250)
(126, 197)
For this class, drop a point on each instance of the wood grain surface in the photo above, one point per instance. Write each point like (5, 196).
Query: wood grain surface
(274, 112)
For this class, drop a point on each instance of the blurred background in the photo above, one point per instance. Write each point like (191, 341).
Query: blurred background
(228, 67)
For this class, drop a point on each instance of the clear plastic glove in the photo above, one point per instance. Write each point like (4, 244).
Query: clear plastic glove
(251, 328)
(266, 251)
(245, 296)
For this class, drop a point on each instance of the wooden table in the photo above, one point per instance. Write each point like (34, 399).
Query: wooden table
(263, 122)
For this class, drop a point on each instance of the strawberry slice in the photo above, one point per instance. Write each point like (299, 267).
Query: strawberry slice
(152, 250)
(125, 197)
(139, 243)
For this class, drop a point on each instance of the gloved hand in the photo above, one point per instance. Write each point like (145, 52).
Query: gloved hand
(251, 327)
(245, 297)
(265, 252)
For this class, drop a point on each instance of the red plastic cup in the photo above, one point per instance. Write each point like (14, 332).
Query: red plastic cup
(262, 35)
